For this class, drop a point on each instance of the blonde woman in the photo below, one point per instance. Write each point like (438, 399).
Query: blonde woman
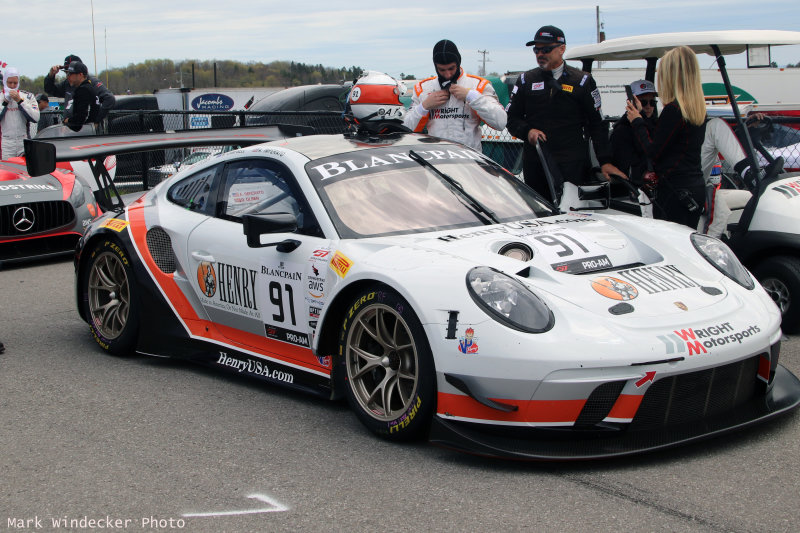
(674, 146)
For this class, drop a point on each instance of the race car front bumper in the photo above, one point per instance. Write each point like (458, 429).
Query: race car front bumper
(612, 440)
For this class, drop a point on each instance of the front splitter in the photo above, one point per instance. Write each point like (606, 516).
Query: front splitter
(572, 445)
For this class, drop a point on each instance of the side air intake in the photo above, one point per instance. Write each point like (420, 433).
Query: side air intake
(160, 246)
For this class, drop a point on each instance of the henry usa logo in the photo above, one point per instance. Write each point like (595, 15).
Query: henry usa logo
(207, 278)
(212, 102)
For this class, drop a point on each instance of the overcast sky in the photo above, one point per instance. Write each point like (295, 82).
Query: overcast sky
(394, 37)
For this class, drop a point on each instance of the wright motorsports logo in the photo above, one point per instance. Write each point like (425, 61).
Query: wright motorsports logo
(697, 341)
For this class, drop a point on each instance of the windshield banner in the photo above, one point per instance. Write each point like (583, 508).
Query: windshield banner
(330, 169)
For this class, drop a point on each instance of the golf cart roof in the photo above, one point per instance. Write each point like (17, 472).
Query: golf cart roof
(656, 45)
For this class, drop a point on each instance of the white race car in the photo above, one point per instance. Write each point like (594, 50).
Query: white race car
(440, 295)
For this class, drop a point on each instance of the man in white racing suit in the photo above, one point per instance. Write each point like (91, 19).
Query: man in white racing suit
(18, 115)
(453, 104)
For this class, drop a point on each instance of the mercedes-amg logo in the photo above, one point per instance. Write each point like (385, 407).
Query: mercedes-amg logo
(23, 218)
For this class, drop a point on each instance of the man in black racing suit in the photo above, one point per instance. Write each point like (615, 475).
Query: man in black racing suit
(85, 102)
(64, 90)
(560, 105)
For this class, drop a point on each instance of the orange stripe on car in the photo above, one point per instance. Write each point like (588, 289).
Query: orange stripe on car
(530, 411)
(626, 406)
(200, 327)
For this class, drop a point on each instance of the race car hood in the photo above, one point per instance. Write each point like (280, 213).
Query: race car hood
(38, 189)
(593, 261)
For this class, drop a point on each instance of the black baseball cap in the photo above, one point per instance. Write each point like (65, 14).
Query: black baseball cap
(41, 97)
(76, 67)
(70, 58)
(548, 34)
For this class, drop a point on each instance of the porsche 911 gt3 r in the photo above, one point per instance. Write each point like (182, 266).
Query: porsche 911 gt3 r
(441, 296)
(44, 215)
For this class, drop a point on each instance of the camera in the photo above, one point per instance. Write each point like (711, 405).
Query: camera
(688, 201)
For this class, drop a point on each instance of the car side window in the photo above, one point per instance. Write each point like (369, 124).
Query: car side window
(196, 191)
(261, 186)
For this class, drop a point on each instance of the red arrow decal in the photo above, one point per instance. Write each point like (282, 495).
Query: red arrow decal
(648, 376)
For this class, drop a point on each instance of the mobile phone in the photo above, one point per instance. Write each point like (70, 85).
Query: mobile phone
(629, 92)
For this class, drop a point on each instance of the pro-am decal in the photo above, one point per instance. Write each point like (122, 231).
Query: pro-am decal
(283, 303)
(232, 288)
(567, 250)
(700, 340)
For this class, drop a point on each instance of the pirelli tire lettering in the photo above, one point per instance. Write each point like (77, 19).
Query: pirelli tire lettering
(389, 369)
(109, 292)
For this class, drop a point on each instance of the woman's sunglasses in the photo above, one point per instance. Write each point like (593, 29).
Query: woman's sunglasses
(646, 102)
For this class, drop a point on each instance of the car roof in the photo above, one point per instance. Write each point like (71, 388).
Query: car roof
(319, 146)
(294, 98)
(656, 45)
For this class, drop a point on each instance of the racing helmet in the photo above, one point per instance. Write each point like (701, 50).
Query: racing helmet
(375, 98)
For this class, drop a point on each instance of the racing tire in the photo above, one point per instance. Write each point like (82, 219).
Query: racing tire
(780, 277)
(390, 375)
(109, 290)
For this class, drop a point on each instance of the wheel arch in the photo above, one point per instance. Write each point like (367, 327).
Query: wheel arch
(330, 329)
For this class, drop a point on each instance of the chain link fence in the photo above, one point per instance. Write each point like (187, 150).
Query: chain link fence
(143, 170)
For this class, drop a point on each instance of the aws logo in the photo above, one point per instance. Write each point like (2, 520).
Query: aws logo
(207, 278)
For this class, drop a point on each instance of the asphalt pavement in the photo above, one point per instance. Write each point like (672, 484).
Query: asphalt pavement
(90, 442)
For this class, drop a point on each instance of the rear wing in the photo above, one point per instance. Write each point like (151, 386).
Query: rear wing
(41, 156)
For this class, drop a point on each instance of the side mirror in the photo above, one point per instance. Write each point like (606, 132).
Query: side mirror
(254, 226)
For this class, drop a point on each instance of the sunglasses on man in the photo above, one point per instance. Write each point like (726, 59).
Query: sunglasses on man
(545, 49)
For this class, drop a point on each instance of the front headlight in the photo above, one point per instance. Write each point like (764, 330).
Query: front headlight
(76, 196)
(718, 254)
(508, 300)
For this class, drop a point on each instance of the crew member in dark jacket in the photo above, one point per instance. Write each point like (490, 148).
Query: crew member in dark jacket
(85, 102)
(627, 153)
(560, 105)
(65, 90)
(674, 146)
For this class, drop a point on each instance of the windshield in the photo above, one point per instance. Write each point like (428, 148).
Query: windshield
(384, 192)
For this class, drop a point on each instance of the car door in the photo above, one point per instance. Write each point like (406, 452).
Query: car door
(261, 297)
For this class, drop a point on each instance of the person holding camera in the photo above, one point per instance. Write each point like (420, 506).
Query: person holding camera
(627, 154)
(64, 90)
(674, 145)
(452, 104)
(84, 106)
(18, 115)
